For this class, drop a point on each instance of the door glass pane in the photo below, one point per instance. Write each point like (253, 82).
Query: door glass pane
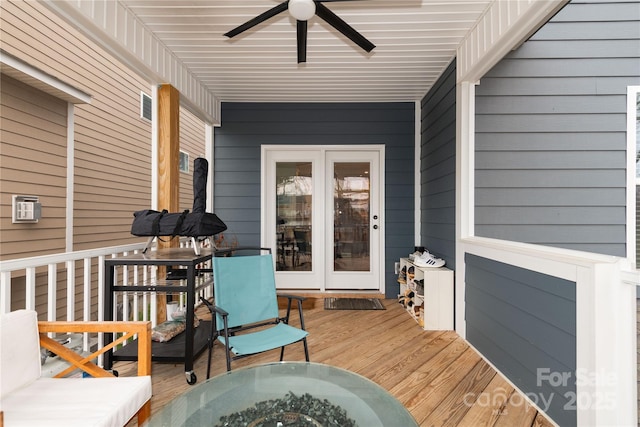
(294, 190)
(351, 200)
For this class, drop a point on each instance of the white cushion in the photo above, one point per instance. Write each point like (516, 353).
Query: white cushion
(28, 400)
(19, 351)
(81, 402)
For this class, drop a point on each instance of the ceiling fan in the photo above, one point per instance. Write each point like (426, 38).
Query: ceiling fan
(302, 11)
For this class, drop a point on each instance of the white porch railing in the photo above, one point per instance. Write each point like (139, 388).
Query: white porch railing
(27, 267)
(21, 280)
(605, 321)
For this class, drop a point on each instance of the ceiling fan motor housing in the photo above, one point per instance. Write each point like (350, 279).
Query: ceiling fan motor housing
(302, 10)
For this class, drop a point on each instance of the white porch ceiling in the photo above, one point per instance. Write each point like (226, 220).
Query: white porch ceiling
(415, 41)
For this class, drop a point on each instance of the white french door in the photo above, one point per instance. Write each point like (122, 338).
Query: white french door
(352, 223)
(322, 209)
(292, 209)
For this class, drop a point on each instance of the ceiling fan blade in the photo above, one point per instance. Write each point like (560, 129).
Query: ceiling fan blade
(336, 22)
(258, 19)
(302, 41)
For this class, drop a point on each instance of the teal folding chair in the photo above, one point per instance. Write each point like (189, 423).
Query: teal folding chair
(245, 316)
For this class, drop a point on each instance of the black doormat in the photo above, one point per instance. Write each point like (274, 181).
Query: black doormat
(353, 304)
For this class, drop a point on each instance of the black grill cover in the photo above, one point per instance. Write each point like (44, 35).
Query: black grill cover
(200, 171)
(149, 222)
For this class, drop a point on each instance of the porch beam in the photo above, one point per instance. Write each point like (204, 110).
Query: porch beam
(168, 171)
(168, 148)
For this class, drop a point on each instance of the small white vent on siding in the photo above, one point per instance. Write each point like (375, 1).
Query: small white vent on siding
(145, 106)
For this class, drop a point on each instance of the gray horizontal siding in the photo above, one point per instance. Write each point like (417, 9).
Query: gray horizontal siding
(438, 167)
(589, 11)
(529, 86)
(523, 321)
(543, 215)
(248, 126)
(612, 47)
(506, 121)
(567, 67)
(595, 178)
(599, 235)
(555, 195)
(551, 132)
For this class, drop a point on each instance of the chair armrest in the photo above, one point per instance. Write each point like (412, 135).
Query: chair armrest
(290, 296)
(214, 308)
(220, 311)
(299, 299)
(128, 329)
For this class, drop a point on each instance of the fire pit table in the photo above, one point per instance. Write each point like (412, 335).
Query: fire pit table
(285, 394)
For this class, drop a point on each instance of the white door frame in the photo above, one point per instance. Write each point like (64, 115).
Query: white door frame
(267, 236)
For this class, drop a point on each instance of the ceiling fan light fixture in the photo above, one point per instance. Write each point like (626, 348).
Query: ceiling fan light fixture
(302, 10)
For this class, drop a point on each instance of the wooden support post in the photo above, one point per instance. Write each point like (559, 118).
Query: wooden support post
(168, 171)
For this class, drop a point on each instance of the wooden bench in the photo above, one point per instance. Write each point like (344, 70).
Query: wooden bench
(28, 399)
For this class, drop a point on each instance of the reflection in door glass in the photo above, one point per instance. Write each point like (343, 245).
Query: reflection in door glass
(351, 216)
(293, 216)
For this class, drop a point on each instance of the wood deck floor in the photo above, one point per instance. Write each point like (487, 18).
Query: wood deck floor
(435, 374)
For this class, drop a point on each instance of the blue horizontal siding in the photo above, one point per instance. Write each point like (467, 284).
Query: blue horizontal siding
(438, 167)
(523, 322)
(551, 132)
(247, 126)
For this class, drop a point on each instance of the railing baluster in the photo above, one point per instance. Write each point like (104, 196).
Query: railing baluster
(125, 294)
(30, 297)
(101, 304)
(52, 291)
(5, 292)
(101, 286)
(153, 312)
(71, 290)
(136, 295)
(114, 308)
(145, 295)
(86, 315)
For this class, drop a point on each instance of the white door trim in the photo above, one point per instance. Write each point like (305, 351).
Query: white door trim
(265, 238)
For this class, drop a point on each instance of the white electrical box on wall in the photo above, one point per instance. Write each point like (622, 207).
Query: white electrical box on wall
(25, 209)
